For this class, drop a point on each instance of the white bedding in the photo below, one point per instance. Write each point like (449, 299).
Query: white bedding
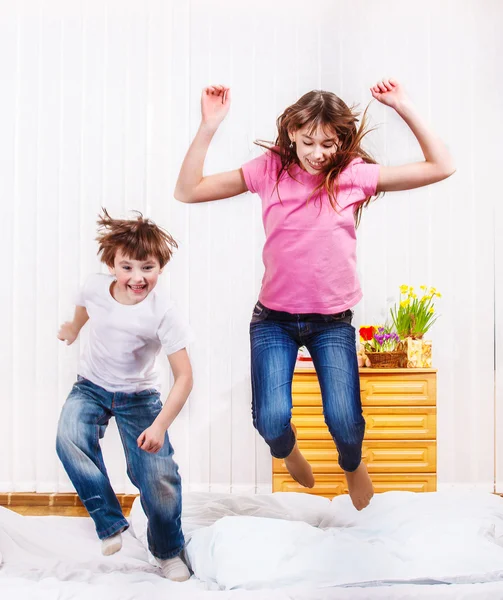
(281, 546)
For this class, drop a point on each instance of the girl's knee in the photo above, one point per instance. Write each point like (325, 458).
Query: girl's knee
(347, 433)
(272, 424)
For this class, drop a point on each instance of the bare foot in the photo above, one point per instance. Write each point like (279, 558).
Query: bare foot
(298, 467)
(360, 486)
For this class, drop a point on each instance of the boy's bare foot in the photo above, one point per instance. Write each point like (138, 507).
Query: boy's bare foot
(298, 467)
(360, 486)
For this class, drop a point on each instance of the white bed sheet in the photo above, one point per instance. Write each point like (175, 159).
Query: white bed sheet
(59, 557)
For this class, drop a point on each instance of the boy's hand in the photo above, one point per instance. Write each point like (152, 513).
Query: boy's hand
(68, 332)
(389, 92)
(215, 104)
(152, 439)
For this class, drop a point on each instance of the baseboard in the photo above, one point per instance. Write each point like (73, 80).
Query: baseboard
(263, 488)
(466, 487)
(34, 499)
(126, 500)
(243, 490)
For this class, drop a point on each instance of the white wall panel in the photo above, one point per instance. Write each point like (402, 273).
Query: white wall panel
(100, 102)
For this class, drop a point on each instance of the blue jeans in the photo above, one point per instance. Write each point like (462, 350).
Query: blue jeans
(84, 418)
(275, 339)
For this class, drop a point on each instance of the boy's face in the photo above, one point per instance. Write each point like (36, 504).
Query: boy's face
(135, 278)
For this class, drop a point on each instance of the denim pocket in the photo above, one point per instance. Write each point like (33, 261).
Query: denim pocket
(260, 313)
(343, 317)
(147, 392)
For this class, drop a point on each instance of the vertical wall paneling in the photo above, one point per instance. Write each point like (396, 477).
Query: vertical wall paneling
(100, 102)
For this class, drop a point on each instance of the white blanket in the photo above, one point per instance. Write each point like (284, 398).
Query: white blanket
(288, 545)
(292, 539)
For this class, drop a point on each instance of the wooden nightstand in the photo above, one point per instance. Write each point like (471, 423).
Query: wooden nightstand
(399, 449)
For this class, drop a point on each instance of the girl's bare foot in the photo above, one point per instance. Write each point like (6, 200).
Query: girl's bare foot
(360, 486)
(298, 467)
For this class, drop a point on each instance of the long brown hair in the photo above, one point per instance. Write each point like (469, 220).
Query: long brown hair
(324, 110)
(138, 239)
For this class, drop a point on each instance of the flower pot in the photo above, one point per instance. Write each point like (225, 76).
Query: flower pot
(426, 358)
(387, 360)
(418, 353)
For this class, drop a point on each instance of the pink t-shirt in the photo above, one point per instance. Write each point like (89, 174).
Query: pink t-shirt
(310, 249)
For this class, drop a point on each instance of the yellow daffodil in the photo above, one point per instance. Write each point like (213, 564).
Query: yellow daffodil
(413, 316)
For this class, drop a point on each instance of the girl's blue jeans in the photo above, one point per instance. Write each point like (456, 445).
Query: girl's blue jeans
(84, 418)
(275, 339)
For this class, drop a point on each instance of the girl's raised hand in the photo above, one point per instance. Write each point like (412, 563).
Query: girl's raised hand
(215, 104)
(389, 92)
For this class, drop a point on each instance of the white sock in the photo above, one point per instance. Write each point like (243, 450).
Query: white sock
(174, 569)
(111, 545)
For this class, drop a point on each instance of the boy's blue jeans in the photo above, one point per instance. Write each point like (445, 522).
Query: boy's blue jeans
(275, 339)
(84, 418)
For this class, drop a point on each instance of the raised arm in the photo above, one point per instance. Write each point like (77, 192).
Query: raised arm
(438, 163)
(191, 185)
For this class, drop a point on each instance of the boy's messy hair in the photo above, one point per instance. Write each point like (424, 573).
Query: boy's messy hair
(328, 112)
(138, 239)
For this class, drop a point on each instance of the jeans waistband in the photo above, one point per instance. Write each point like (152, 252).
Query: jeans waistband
(279, 315)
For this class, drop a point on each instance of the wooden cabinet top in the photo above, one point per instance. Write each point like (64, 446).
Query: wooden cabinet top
(369, 370)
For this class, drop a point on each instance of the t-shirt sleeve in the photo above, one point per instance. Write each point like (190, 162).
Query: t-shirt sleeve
(174, 332)
(255, 172)
(365, 176)
(96, 284)
(82, 294)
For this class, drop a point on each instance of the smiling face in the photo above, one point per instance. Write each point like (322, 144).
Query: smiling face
(314, 148)
(135, 278)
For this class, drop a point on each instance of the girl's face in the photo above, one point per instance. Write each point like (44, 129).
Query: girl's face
(135, 278)
(314, 149)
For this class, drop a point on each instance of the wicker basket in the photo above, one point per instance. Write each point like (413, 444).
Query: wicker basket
(387, 360)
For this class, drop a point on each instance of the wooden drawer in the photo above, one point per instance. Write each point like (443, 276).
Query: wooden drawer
(417, 389)
(383, 423)
(379, 456)
(333, 485)
(399, 406)
(377, 389)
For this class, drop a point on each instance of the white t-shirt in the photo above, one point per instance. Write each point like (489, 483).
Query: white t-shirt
(124, 339)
